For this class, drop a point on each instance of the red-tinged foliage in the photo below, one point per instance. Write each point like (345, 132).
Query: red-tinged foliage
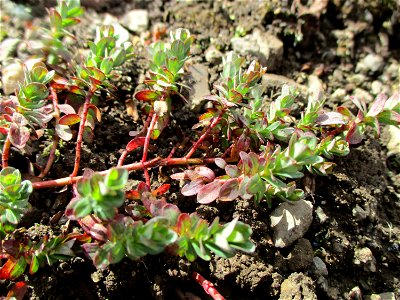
(147, 95)
(161, 190)
(13, 268)
(377, 106)
(18, 291)
(59, 83)
(69, 119)
(135, 143)
(209, 192)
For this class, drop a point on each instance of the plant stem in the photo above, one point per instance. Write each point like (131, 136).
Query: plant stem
(155, 162)
(79, 140)
(126, 152)
(56, 138)
(208, 286)
(146, 147)
(204, 135)
(6, 152)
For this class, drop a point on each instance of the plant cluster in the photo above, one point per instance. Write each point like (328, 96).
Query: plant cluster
(260, 153)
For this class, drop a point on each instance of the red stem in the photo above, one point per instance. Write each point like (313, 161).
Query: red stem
(147, 140)
(126, 152)
(56, 138)
(200, 140)
(6, 152)
(208, 286)
(155, 162)
(146, 147)
(81, 129)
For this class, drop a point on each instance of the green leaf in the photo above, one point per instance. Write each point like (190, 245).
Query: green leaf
(35, 91)
(107, 65)
(118, 55)
(34, 266)
(116, 178)
(12, 216)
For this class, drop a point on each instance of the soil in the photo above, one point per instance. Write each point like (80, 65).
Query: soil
(355, 233)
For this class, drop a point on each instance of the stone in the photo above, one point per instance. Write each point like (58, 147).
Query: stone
(370, 64)
(265, 46)
(199, 85)
(363, 95)
(290, 221)
(357, 79)
(123, 34)
(338, 94)
(8, 47)
(359, 213)
(213, 55)
(393, 144)
(298, 286)
(382, 296)
(315, 86)
(321, 215)
(376, 87)
(276, 81)
(318, 267)
(364, 256)
(136, 20)
(301, 256)
(12, 75)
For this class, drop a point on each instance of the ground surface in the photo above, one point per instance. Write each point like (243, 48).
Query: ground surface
(352, 247)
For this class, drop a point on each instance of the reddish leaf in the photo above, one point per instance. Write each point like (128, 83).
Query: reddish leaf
(13, 268)
(178, 176)
(212, 98)
(66, 109)
(359, 103)
(220, 162)
(344, 111)
(19, 135)
(92, 226)
(354, 135)
(69, 119)
(4, 130)
(96, 111)
(95, 81)
(183, 222)
(205, 172)
(132, 195)
(209, 192)
(76, 90)
(161, 190)
(18, 291)
(232, 171)
(147, 95)
(135, 143)
(229, 190)
(377, 106)
(59, 82)
(330, 118)
(192, 188)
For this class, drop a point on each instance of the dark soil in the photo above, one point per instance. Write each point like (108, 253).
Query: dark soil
(356, 207)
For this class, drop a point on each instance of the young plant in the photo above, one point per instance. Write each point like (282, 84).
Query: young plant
(14, 196)
(265, 172)
(19, 254)
(62, 17)
(150, 228)
(26, 111)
